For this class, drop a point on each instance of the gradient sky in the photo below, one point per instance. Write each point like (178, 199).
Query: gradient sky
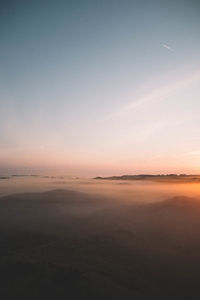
(100, 87)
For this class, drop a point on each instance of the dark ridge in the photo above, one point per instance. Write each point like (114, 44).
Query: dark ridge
(179, 201)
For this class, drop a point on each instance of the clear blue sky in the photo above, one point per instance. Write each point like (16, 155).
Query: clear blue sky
(100, 87)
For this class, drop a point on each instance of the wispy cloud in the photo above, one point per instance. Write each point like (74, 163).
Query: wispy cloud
(168, 48)
(158, 94)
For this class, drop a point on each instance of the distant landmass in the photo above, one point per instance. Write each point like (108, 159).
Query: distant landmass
(157, 177)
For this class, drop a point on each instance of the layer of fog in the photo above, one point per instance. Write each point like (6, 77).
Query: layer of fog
(141, 238)
(135, 191)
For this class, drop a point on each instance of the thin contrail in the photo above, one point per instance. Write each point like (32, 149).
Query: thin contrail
(168, 48)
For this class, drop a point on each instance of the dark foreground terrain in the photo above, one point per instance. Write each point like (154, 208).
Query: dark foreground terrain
(70, 245)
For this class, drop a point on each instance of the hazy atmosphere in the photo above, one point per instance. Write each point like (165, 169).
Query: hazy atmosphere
(99, 150)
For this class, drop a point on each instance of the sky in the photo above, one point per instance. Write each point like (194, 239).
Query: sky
(100, 87)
